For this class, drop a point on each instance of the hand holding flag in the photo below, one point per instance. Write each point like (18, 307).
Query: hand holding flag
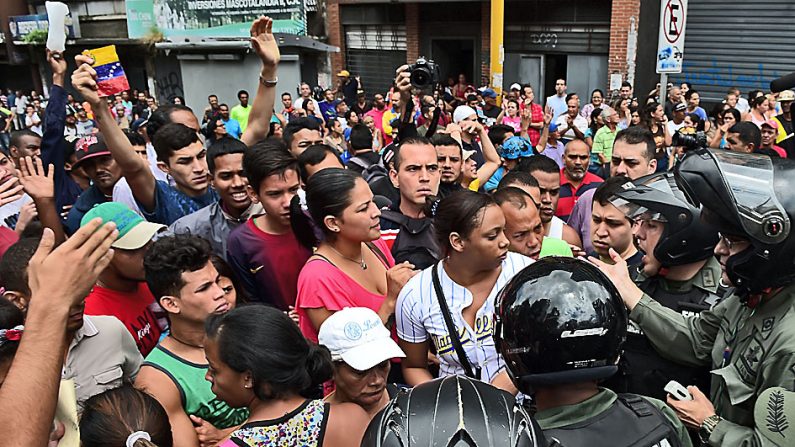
(109, 74)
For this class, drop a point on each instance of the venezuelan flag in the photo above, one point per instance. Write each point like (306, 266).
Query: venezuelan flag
(110, 74)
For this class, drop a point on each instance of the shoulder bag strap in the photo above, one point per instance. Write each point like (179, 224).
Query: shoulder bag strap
(451, 329)
(378, 253)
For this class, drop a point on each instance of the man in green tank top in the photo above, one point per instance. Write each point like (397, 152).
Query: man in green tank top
(182, 278)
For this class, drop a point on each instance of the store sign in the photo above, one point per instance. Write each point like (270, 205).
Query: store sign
(671, 42)
(21, 26)
(211, 18)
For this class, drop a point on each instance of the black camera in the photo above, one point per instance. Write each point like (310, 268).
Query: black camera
(689, 140)
(424, 74)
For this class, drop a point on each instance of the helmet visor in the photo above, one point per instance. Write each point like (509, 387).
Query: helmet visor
(749, 179)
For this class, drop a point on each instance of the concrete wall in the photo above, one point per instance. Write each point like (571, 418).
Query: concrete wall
(201, 78)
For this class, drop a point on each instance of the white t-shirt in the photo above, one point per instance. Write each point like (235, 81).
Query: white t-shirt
(579, 122)
(673, 127)
(419, 318)
(33, 122)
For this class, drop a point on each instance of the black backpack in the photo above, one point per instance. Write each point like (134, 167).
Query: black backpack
(415, 242)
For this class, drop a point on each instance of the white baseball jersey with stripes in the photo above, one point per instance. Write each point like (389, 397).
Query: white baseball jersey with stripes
(419, 317)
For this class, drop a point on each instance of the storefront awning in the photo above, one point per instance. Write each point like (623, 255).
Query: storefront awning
(284, 40)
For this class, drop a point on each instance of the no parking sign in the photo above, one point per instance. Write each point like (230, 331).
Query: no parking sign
(671, 43)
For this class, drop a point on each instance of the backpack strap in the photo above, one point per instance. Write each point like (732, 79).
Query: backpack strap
(360, 162)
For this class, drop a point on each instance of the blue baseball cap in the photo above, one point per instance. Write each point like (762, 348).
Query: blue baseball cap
(553, 127)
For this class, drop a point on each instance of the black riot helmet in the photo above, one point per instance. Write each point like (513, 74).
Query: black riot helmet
(750, 196)
(455, 411)
(685, 238)
(559, 321)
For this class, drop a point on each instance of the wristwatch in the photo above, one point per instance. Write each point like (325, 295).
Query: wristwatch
(269, 82)
(707, 427)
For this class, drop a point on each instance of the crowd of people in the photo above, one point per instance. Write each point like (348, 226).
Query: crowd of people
(446, 267)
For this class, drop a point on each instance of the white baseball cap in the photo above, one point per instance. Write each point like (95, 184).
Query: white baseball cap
(356, 336)
(463, 112)
(516, 86)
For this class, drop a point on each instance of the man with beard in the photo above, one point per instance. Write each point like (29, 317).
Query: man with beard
(450, 160)
(574, 177)
(97, 162)
(121, 289)
(215, 222)
(185, 283)
(523, 226)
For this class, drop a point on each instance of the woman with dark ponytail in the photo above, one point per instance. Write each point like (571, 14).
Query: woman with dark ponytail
(259, 359)
(476, 264)
(352, 266)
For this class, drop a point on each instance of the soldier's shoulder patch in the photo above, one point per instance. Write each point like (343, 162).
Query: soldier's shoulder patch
(774, 415)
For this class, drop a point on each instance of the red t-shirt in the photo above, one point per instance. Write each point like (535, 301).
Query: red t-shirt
(322, 285)
(133, 309)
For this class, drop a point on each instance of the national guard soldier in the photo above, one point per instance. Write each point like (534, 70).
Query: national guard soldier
(679, 271)
(749, 338)
(561, 327)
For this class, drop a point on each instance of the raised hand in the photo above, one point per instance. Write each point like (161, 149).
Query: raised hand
(403, 79)
(57, 65)
(547, 115)
(76, 263)
(263, 42)
(32, 177)
(84, 80)
(10, 191)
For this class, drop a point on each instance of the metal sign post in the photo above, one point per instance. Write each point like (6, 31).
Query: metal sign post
(671, 41)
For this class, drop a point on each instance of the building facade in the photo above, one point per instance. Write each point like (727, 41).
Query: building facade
(583, 41)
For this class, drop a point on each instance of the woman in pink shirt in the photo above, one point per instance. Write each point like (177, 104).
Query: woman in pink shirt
(511, 116)
(352, 266)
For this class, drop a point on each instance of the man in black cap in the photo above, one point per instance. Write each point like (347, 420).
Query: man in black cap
(97, 162)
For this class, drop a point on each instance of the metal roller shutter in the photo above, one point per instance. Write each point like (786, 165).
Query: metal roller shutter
(554, 26)
(737, 43)
(374, 52)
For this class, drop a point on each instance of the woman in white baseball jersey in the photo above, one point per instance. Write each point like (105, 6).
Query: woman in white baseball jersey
(469, 227)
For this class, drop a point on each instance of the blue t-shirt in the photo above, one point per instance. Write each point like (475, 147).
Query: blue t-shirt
(232, 127)
(494, 181)
(171, 203)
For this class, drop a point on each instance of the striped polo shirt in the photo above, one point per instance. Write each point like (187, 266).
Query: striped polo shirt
(569, 194)
(419, 317)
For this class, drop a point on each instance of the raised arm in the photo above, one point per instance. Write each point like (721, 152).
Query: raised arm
(264, 44)
(490, 156)
(41, 188)
(30, 391)
(52, 143)
(136, 170)
(542, 142)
